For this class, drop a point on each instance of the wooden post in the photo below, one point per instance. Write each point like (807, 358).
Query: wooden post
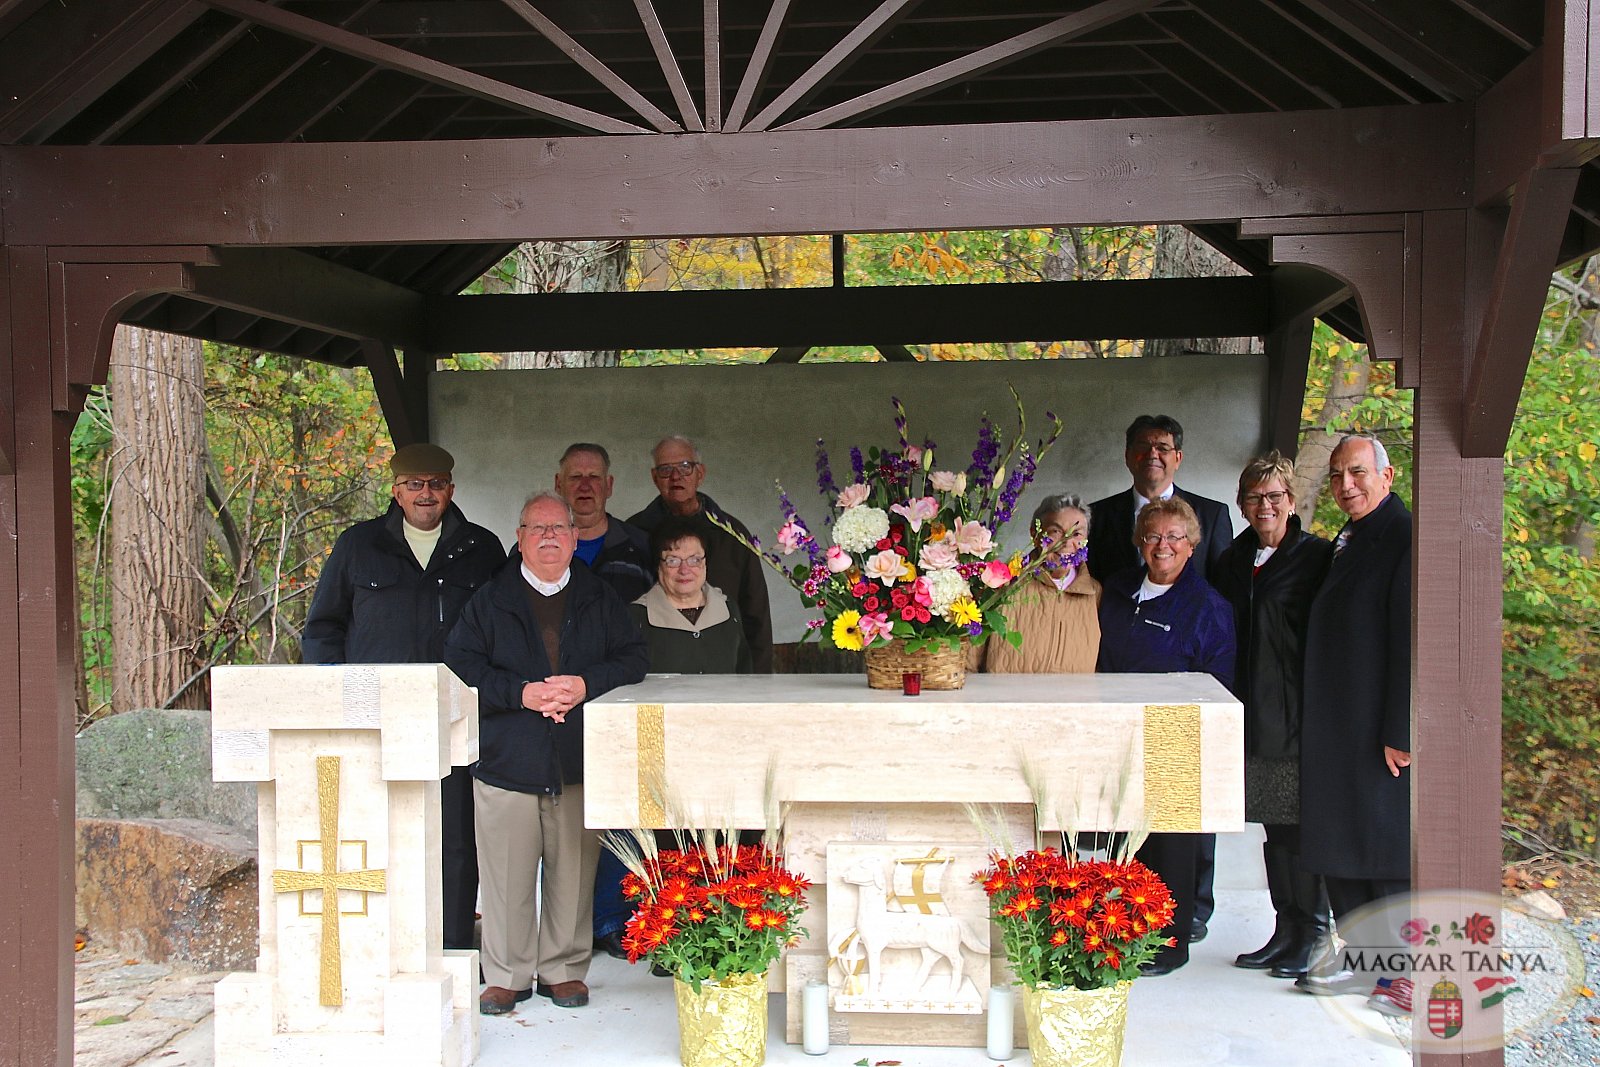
(1456, 589)
(36, 711)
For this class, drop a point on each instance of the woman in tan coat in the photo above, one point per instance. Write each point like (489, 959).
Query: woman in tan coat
(1058, 614)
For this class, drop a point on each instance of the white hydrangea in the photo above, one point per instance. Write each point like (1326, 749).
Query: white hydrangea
(859, 528)
(945, 588)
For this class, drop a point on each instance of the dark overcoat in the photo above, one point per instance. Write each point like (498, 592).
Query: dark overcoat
(1355, 817)
(1270, 610)
(1111, 547)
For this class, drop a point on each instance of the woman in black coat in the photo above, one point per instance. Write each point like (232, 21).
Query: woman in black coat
(688, 624)
(1270, 573)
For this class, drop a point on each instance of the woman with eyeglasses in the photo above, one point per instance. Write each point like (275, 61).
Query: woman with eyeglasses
(1159, 618)
(690, 626)
(1270, 574)
(1058, 613)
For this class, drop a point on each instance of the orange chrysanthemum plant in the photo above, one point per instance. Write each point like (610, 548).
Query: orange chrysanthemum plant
(707, 911)
(1073, 923)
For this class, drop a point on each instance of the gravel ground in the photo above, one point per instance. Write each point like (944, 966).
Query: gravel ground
(1574, 1038)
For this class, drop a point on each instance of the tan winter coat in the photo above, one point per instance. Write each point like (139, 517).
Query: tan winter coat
(1060, 631)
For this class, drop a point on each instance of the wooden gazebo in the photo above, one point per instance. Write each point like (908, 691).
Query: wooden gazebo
(322, 177)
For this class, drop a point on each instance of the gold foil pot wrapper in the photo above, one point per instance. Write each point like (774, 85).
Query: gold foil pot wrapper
(725, 1024)
(1076, 1027)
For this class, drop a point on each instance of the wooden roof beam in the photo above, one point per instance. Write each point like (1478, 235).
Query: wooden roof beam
(295, 287)
(1365, 24)
(855, 315)
(669, 65)
(1097, 171)
(835, 59)
(387, 55)
(590, 63)
(972, 65)
(755, 72)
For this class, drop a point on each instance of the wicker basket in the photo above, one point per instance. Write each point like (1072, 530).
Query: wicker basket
(941, 667)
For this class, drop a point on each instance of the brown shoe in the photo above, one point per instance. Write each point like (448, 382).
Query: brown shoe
(497, 1000)
(573, 994)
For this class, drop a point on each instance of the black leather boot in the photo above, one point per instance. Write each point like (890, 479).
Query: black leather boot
(1313, 924)
(1286, 933)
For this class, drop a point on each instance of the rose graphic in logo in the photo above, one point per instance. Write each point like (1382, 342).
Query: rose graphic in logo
(1480, 928)
(1412, 931)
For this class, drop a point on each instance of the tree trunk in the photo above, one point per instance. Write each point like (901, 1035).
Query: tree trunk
(567, 267)
(1347, 385)
(158, 518)
(1180, 254)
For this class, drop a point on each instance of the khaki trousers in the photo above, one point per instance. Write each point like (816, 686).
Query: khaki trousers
(517, 832)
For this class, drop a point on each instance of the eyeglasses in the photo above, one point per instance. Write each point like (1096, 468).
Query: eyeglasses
(546, 529)
(1160, 450)
(1254, 500)
(417, 485)
(683, 561)
(1156, 539)
(666, 470)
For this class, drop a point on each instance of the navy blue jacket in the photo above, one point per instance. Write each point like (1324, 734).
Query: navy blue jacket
(1111, 546)
(375, 604)
(496, 647)
(1189, 628)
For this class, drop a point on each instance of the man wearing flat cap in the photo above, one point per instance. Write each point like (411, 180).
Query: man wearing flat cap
(389, 593)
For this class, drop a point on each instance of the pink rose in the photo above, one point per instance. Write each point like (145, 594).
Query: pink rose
(885, 567)
(937, 556)
(851, 495)
(973, 538)
(916, 511)
(995, 574)
(839, 560)
(948, 482)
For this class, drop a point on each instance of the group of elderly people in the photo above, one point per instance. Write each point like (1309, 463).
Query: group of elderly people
(1312, 636)
(1147, 580)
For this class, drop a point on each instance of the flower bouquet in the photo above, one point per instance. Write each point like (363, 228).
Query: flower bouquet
(1076, 931)
(914, 555)
(715, 916)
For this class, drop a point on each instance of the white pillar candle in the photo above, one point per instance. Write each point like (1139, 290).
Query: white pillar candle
(814, 1019)
(1001, 1005)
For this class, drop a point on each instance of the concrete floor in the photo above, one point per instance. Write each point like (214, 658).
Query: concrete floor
(1208, 1013)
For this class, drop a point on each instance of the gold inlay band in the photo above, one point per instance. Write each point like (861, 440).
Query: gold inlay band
(1172, 767)
(650, 732)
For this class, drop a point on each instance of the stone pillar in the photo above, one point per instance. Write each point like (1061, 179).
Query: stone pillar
(347, 761)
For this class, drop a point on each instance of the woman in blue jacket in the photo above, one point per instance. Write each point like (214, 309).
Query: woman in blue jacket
(1160, 618)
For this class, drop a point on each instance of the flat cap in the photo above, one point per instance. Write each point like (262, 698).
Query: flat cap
(422, 459)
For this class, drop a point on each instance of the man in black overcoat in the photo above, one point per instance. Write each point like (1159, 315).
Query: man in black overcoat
(1355, 745)
(1153, 451)
(390, 592)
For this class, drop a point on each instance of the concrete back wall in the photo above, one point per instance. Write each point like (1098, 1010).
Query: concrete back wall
(757, 424)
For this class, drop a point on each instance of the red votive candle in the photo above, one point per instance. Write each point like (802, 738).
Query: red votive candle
(911, 683)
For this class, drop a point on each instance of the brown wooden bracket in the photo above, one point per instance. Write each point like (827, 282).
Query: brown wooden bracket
(1529, 249)
(90, 288)
(1299, 295)
(1377, 256)
(390, 387)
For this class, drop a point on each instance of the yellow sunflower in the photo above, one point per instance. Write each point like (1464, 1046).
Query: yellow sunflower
(847, 631)
(964, 611)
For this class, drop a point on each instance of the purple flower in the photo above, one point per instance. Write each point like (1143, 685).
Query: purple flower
(900, 421)
(824, 472)
(1020, 476)
(974, 628)
(985, 454)
(858, 465)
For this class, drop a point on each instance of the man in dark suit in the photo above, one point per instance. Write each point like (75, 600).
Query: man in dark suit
(1153, 451)
(1355, 741)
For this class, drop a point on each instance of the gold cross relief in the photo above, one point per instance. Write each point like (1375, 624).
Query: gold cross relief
(329, 879)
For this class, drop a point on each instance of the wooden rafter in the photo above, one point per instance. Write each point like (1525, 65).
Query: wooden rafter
(1321, 39)
(669, 65)
(755, 72)
(1528, 252)
(973, 64)
(1366, 24)
(858, 40)
(388, 383)
(1264, 57)
(1217, 69)
(590, 63)
(179, 76)
(1499, 23)
(430, 70)
(711, 18)
(791, 354)
(14, 12)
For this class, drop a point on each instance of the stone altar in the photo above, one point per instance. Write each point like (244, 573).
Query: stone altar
(875, 781)
(347, 761)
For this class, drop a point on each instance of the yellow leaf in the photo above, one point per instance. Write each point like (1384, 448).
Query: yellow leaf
(1549, 883)
(1585, 991)
(1521, 535)
(1587, 451)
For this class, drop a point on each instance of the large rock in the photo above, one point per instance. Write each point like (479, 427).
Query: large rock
(152, 764)
(164, 889)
